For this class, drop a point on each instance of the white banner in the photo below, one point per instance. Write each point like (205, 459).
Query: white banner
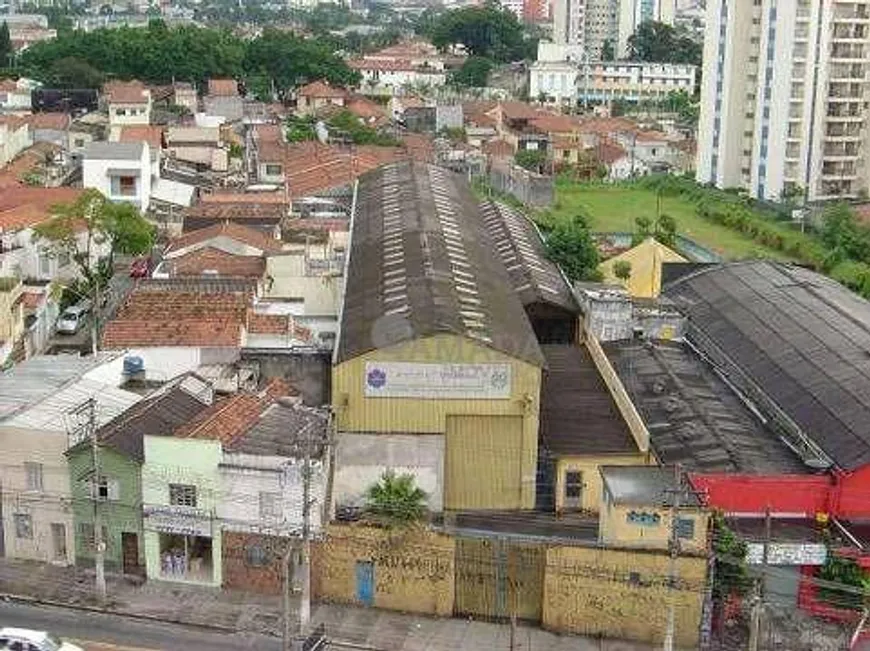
(438, 381)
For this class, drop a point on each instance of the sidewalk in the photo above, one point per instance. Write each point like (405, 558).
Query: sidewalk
(253, 613)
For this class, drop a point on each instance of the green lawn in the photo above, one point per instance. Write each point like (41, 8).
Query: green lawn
(614, 209)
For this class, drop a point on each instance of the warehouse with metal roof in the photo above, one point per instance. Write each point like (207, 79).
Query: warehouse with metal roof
(437, 369)
(793, 341)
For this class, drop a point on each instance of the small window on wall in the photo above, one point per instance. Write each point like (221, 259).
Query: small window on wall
(573, 484)
(685, 528)
(182, 495)
(23, 526)
(274, 170)
(257, 556)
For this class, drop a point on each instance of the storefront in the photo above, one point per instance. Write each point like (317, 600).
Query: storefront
(182, 544)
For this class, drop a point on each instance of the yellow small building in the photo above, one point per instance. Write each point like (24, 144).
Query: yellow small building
(646, 261)
(437, 370)
(638, 507)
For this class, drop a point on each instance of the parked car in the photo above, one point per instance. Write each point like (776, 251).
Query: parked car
(72, 318)
(22, 639)
(140, 268)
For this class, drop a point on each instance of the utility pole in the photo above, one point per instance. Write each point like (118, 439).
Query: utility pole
(758, 605)
(674, 545)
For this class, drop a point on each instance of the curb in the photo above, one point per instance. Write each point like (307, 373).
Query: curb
(23, 599)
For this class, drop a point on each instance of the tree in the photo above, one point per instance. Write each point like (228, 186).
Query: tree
(119, 226)
(72, 72)
(730, 575)
(474, 73)
(643, 227)
(531, 159)
(487, 30)
(622, 270)
(570, 245)
(663, 43)
(6, 50)
(396, 499)
(666, 230)
(846, 572)
(607, 53)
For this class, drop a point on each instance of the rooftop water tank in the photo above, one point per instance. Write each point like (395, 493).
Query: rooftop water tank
(133, 365)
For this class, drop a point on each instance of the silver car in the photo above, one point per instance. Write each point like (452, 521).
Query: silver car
(72, 319)
(22, 639)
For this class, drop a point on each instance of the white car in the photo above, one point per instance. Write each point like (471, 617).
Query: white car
(71, 319)
(22, 639)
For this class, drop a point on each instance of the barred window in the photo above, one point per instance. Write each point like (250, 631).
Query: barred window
(182, 495)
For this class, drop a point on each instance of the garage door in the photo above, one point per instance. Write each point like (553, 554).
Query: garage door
(483, 462)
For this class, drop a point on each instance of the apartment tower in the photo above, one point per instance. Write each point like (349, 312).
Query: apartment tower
(783, 98)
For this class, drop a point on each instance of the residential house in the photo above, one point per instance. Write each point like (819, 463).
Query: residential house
(41, 411)
(52, 128)
(201, 147)
(122, 171)
(223, 99)
(478, 362)
(397, 68)
(314, 96)
(184, 94)
(263, 472)
(646, 260)
(225, 249)
(85, 130)
(128, 103)
(169, 200)
(15, 137)
(117, 490)
(15, 95)
(265, 211)
(182, 489)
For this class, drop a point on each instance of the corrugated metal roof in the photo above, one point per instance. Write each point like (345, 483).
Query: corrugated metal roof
(285, 430)
(645, 485)
(799, 337)
(422, 263)
(519, 245)
(29, 383)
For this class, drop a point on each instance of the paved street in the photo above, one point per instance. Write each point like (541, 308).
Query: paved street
(119, 633)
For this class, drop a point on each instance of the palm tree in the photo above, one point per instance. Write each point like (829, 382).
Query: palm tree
(396, 499)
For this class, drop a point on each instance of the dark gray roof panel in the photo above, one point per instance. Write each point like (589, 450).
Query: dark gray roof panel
(800, 337)
(645, 485)
(521, 249)
(422, 263)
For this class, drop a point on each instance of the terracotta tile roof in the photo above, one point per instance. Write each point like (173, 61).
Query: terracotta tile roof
(268, 133)
(321, 90)
(556, 124)
(608, 126)
(312, 167)
(152, 134)
(517, 110)
(206, 214)
(567, 142)
(238, 232)
(420, 147)
(14, 122)
(223, 87)
(317, 225)
(652, 136)
(366, 109)
(277, 324)
(228, 419)
(178, 318)
(499, 148)
(386, 65)
(211, 261)
(246, 198)
(126, 92)
(27, 160)
(22, 206)
(8, 85)
(608, 151)
(271, 152)
(56, 121)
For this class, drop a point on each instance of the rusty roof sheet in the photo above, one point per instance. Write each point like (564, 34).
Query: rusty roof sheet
(422, 263)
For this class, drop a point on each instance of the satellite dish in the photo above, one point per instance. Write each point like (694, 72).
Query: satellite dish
(321, 131)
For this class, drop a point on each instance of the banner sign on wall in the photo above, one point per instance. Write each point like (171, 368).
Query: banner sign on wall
(438, 381)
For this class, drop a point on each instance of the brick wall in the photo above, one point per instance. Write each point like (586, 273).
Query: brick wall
(252, 562)
(413, 568)
(621, 594)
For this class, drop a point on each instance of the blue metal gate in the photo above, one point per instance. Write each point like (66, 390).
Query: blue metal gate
(365, 582)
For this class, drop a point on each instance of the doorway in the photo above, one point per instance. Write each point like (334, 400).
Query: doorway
(573, 490)
(365, 583)
(130, 553)
(58, 542)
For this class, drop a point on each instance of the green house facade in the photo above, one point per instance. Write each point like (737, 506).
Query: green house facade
(119, 499)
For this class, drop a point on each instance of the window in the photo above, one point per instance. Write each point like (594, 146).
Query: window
(256, 556)
(573, 484)
(23, 526)
(274, 170)
(182, 495)
(105, 489)
(86, 533)
(270, 505)
(685, 528)
(120, 111)
(34, 476)
(124, 186)
(79, 142)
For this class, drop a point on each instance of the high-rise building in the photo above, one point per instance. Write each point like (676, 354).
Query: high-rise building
(783, 97)
(568, 21)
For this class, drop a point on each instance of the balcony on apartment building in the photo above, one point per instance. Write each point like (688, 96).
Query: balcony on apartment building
(839, 170)
(845, 12)
(837, 150)
(847, 52)
(849, 32)
(847, 72)
(839, 129)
